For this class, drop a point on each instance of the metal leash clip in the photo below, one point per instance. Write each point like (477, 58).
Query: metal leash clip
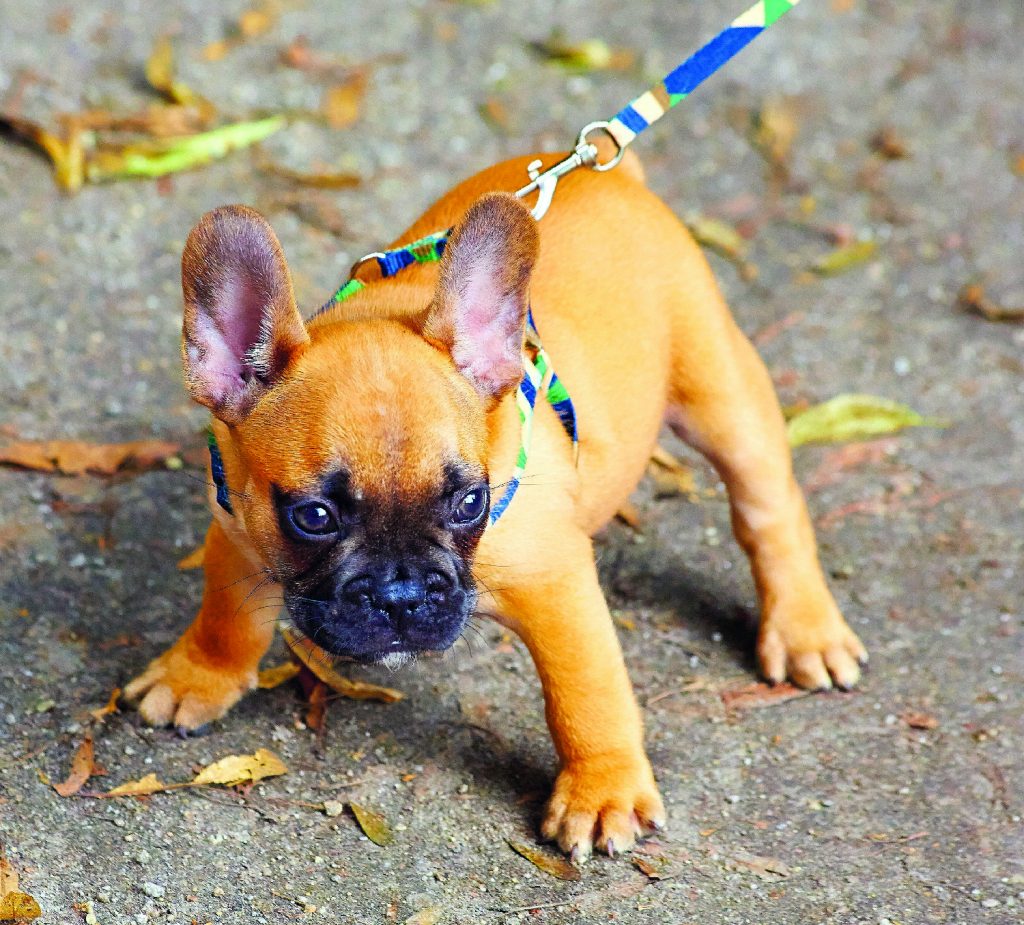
(583, 155)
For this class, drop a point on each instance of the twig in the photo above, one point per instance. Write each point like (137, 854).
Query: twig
(530, 908)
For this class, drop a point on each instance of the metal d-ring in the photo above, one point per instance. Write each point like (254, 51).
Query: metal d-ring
(376, 255)
(605, 127)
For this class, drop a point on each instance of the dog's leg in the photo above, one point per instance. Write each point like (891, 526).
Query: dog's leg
(215, 661)
(605, 794)
(725, 406)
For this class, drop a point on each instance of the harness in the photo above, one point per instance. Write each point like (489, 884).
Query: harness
(539, 376)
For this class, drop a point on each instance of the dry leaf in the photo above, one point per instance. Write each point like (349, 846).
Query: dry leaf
(341, 103)
(137, 788)
(255, 22)
(374, 825)
(671, 477)
(240, 769)
(764, 867)
(317, 661)
(82, 766)
(853, 417)
(588, 55)
(888, 144)
(77, 457)
(495, 113)
(845, 258)
(920, 720)
(341, 180)
(754, 696)
(194, 559)
(18, 907)
(160, 73)
(656, 868)
(269, 678)
(109, 707)
(66, 154)
(316, 714)
(431, 915)
(8, 877)
(972, 298)
(551, 864)
(773, 129)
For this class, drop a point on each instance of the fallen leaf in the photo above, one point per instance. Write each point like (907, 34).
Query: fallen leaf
(240, 769)
(160, 74)
(374, 825)
(341, 180)
(853, 417)
(844, 258)
(552, 864)
(66, 154)
(773, 129)
(671, 477)
(887, 143)
(723, 239)
(77, 457)
(495, 113)
(19, 907)
(158, 158)
(333, 808)
(216, 50)
(656, 868)
(318, 662)
(8, 877)
(82, 766)
(582, 57)
(109, 707)
(341, 103)
(431, 915)
(193, 560)
(316, 714)
(920, 720)
(757, 695)
(972, 298)
(255, 22)
(136, 788)
(269, 678)
(767, 868)
(629, 514)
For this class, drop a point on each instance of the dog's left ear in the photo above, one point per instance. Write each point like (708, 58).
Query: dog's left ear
(479, 309)
(241, 326)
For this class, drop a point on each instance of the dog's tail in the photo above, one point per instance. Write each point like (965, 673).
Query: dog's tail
(630, 163)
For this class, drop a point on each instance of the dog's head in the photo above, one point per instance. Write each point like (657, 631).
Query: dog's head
(356, 451)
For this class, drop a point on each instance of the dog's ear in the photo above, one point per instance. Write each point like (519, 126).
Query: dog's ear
(241, 326)
(479, 309)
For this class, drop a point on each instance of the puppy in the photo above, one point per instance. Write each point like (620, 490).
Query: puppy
(363, 451)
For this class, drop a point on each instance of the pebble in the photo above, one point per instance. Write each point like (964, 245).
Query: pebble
(153, 890)
(143, 857)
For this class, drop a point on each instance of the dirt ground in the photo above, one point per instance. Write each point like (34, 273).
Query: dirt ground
(898, 803)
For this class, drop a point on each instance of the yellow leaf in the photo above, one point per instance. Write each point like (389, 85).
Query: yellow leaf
(19, 907)
(718, 235)
(137, 788)
(853, 417)
(81, 769)
(429, 916)
(551, 864)
(844, 258)
(109, 707)
(270, 678)
(240, 769)
(374, 825)
(194, 559)
(341, 103)
(160, 74)
(588, 55)
(318, 662)
(254, 22)
(8, 877)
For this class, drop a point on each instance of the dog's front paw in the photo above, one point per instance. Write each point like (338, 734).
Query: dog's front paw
(809, 642)
(181, 688)
(605, 802)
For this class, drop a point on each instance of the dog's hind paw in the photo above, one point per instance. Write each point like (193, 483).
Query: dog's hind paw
(604, 802)
(180, 688)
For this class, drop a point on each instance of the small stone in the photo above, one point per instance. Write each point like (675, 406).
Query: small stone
(218, 891)
(143, 857)
(990, 903)
(153, 890)
(333, 808)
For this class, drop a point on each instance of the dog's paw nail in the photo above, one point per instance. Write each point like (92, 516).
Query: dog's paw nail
(610, 848)
(185, 733)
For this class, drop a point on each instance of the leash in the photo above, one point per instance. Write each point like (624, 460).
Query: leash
(538, 374)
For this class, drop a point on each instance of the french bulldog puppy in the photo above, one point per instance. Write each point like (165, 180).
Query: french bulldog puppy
(363, 450)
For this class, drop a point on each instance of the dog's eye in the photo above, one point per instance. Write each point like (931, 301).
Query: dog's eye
(471, 506)
(313, 519)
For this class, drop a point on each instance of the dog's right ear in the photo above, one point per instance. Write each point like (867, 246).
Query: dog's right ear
(241, 326)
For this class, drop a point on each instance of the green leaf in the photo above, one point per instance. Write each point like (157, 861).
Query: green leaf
(158, 159)
(853, 417)
(845, 258)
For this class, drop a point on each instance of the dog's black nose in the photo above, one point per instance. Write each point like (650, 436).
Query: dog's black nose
(400, 597)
